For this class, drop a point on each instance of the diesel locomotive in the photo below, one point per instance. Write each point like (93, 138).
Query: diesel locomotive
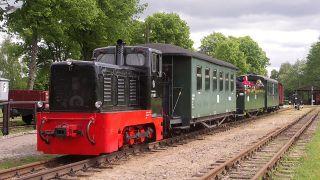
(128, 95)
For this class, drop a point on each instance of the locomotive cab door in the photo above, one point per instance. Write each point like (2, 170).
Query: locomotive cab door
(156, 88)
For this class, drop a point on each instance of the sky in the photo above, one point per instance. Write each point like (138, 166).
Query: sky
(284, 29)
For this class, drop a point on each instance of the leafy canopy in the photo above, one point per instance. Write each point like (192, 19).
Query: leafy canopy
(243, 52)
(11, 66)
(168, 28)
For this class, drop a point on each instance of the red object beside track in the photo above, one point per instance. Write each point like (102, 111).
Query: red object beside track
(281, 94)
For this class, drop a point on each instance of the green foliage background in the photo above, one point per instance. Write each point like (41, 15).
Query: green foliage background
(244, 52)
(57, 30)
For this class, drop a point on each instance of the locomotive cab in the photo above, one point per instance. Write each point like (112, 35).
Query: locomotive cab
(146, 62)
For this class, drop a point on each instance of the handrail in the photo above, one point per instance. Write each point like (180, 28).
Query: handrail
(87, 132)
(40, 132)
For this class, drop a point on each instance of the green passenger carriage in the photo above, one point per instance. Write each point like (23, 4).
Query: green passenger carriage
(200, 89)
(256, 94)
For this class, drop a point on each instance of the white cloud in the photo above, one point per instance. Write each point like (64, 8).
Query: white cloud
(284, 29)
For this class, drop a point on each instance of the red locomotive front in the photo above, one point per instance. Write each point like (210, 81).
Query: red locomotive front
(100, 106)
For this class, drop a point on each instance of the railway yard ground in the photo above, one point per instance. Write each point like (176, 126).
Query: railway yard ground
(17, 127)
(181, 161)
(19, 147)
(188, 160)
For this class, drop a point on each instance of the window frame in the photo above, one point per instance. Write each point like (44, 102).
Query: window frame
(232, 82)
(207, 83)
(214, 79)
(199, 78)
(221, 81)
(227, 84)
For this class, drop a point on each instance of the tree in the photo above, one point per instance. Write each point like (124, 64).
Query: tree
(209, 43)
(168, 28)
(136, 33)
(274, 74)
(312, 65)
(292, 76)
(70, 26)
(10, 65)
(242, 52)
(255, 56)
(229, 51)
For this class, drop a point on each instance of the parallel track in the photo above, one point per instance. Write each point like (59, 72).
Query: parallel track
(41, 171)
(256, 161)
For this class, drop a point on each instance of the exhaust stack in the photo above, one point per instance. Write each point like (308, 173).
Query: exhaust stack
(119, 52)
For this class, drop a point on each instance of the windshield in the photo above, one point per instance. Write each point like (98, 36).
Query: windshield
(135, 59)
(106, 58)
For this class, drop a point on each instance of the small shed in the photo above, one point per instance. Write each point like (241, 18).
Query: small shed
(306, 93)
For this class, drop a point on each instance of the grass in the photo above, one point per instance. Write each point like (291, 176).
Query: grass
(14, 162)
(309, 165)
(19, 130)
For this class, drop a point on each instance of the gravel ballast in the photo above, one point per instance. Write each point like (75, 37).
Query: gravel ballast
(186, 160)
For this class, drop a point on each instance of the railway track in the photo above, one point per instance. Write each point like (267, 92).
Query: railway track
(43, 170)
(257, 161)
(286, 167)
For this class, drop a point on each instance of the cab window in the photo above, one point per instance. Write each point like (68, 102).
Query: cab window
(154, 63)
(135, 59)
(106, 58)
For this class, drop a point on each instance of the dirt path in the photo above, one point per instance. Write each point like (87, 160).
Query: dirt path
(184, 161)
(18, 146)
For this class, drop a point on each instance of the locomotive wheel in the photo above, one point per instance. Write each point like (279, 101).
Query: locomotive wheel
(27, 119)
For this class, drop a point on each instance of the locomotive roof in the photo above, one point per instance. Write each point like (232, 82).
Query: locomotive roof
(169, 49)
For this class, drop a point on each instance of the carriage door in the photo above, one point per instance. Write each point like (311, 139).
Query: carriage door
(156, 88)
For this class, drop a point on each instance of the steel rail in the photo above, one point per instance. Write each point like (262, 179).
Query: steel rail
(113, 157)
(22, 170)
(263, 171)
(225, 166)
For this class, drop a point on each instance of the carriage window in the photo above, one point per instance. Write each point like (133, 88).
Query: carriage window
(199, 78)
(135, 59)
(214, 80)
(207, 79)
(232, 82)
(106, 58)
(272, 89)
(221, 81)
(227, 81)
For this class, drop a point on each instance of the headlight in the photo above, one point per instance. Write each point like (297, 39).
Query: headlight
(98, 104)
(69, 62)
(39, 104)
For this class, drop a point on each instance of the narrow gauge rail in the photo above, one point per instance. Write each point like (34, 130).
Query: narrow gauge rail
(35, 167)
(40, 170)
(256, 161)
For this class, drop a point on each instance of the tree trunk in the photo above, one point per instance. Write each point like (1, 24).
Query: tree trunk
(33, 61)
